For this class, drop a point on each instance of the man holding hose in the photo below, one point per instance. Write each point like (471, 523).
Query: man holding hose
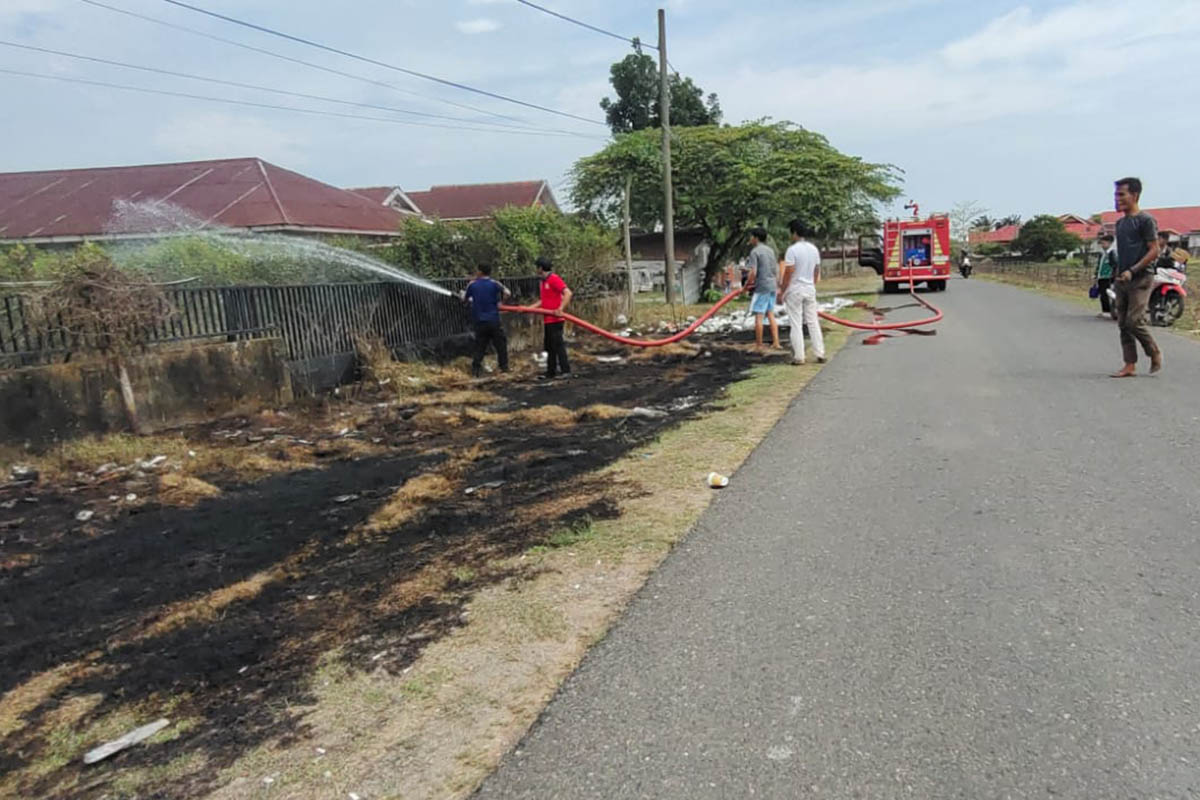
(555, 295)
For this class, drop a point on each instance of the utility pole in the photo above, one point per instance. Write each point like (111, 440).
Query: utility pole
(668, 191)
(629, 244)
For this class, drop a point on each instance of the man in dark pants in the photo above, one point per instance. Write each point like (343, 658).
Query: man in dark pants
(554, 297)
(1137, 248)
(1105, 271)
(484, 295)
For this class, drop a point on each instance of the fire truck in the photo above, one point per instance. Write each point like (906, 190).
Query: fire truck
(911, 249)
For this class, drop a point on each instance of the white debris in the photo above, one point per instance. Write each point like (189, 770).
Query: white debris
(488, 485)
(85, 515)
(609, 359)
(621, 320)
(648, 413)
(131, 498)
(345, 498)
(152, 463)
(268, 780)
(105, 468)
(128, 740)
(8, 505)
(24, 474)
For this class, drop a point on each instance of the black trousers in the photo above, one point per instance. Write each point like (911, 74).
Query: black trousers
(489, 333)
(556, 349)
(1105, 303)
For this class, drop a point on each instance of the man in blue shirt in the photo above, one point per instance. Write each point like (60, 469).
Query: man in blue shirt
(483, 295)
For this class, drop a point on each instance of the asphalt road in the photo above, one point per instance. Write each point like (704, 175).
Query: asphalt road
(962, 566)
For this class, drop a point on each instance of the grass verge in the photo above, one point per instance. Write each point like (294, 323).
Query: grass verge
(439, 728)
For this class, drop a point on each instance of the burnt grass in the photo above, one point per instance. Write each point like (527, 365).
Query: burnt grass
(75, 593)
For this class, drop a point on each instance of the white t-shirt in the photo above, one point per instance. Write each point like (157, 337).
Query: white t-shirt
(804, 257)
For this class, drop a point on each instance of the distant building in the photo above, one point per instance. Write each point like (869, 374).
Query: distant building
(138, 202)
(1085, 229)
(463, 202)
(1181, 222)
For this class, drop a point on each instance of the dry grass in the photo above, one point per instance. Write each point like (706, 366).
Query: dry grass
(191, 458)
(20, 700)
(408, 500)
(406, 378)
(184, 490)
(541, 415)
(460, 397)
(601, 411)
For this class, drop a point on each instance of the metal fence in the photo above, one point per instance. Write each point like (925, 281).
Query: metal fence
(1063, 273)
(311, 320)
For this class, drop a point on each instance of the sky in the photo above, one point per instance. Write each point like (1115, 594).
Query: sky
(1022, 108)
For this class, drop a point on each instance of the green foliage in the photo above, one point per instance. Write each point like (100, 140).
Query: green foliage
(636, 81)
(1004, 222)
(990, 249)
(1045, 236)
(728, 179)
(510, 241)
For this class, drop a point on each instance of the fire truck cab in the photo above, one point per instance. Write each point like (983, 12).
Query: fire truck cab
(913, 249)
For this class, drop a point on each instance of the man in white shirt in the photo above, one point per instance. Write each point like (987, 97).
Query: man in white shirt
(798, 292)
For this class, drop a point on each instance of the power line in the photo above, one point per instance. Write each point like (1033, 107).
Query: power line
(385, 65)
(250, 103)
(300, 61)
(580, 23)
(172, 73)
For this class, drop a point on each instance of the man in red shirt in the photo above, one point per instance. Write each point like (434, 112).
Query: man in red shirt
(555, 297)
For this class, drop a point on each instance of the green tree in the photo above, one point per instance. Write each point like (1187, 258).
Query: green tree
(982, 223)
(1004, 222)
(1045, 236)
(510, 240)
(729, 179)
(635, 79)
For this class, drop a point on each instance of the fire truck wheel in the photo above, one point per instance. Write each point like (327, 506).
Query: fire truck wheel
(889, 287)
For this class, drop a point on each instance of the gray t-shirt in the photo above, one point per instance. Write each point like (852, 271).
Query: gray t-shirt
(765, 264)
(1134, 236)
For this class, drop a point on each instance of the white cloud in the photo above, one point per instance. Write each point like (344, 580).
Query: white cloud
(220, 134)
(480, 25)
(1020, 63)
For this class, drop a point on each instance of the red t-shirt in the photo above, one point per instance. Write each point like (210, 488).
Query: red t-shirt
(552, 295)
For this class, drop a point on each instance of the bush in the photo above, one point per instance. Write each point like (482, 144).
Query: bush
(511, 240)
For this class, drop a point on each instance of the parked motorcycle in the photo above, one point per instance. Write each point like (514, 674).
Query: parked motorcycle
(1167, 297)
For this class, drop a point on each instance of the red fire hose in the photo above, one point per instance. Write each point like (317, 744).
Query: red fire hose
(690, 329)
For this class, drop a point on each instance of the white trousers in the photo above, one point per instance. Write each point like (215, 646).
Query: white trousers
(801, 304)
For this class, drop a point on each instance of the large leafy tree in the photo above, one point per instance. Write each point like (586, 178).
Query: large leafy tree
(1045, 236)
(635, 79)
(729, 179)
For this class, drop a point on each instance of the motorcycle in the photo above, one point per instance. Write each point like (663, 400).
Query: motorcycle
(965, 269)
(1167, 297)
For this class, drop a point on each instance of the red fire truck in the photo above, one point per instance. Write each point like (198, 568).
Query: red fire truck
(915, 248)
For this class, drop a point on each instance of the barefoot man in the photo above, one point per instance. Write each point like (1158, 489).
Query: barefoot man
(764, 274)
(1137, 248)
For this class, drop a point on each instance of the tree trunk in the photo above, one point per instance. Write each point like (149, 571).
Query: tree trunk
(128, 401)
(629, 242)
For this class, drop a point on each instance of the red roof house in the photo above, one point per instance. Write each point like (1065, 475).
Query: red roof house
(1085, 229)
(1181, 220)
(134, 202)
(478, 200)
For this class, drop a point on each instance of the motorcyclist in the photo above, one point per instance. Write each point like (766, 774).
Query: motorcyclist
(965, 265)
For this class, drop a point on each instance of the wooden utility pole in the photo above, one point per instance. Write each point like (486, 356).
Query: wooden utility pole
(629, 243)
(668, 192)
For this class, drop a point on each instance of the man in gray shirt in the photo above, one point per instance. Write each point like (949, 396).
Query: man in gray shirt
(1137, 249)
(764, 275)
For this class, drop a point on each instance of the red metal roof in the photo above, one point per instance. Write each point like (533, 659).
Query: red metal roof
(474, 201)
(1181, 219)
(379, 194)
(232, 193)
(1083, 228)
